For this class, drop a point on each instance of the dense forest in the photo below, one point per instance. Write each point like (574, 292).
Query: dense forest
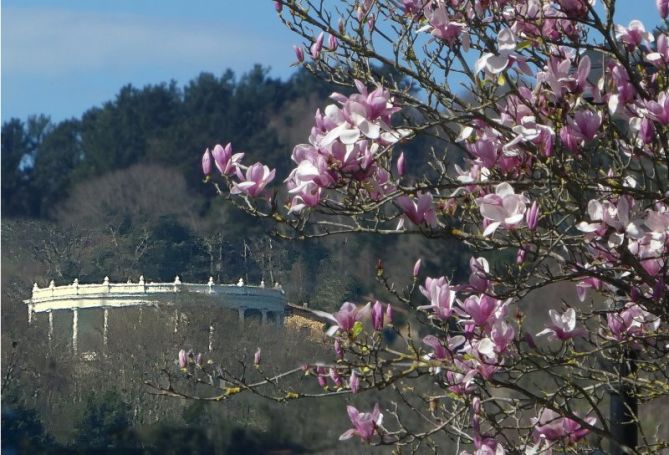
(119, 192)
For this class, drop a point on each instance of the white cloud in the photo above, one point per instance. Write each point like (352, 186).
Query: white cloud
(57, 42)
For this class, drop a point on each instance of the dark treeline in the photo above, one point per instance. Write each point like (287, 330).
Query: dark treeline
(119, 192)
(162, 124)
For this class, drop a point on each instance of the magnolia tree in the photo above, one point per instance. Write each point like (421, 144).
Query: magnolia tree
(549, 125)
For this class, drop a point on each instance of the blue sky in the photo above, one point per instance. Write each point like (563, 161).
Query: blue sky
(62, 57)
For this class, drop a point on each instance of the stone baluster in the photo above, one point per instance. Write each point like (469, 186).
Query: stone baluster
(105, 329)
(75, 329)
(75, 284)
(177, 283)
(211, 284)
(52, 286)
(50, 328)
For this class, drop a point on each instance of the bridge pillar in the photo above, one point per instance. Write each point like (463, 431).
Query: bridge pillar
(50, 328)
(278, 319)
(75, 328)
(264, 316)
(105, 329)
(211, 337)
(241, 315)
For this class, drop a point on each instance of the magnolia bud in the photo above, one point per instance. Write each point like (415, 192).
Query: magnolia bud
(532, 216)
(416, 267)
(332, 42)
(256, 358)
(377, 316)
(334, 375)
(317, 47)
(401, 165)
(183, 360)
(663, 8)
(206, 162)
(278, 6)
(339, 352)
(299, 53)
(354, 382)
(520, 256)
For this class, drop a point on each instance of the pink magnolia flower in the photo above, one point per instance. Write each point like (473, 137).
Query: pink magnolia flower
(254, 182)
(503, 208)
(586, 124)
(345, 318)
(560, 78)
(257, 358)
(439, 351)
(496, 63)
(478, 276)
(563, 326)
(225, 161)
(502, 335)
(585, 284)
(553, 427)
(633, 35)
(365, 424)
(659, 110)
(633, 320)
(575, 8)
(661, 56)
(441, 295)
(441, 26)
(418, 211)
(461, 384)
(480, 309)
(364, 114)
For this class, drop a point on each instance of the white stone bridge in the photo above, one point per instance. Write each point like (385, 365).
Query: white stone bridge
(268, 301)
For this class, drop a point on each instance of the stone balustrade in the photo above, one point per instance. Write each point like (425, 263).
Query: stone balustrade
(269, 301)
